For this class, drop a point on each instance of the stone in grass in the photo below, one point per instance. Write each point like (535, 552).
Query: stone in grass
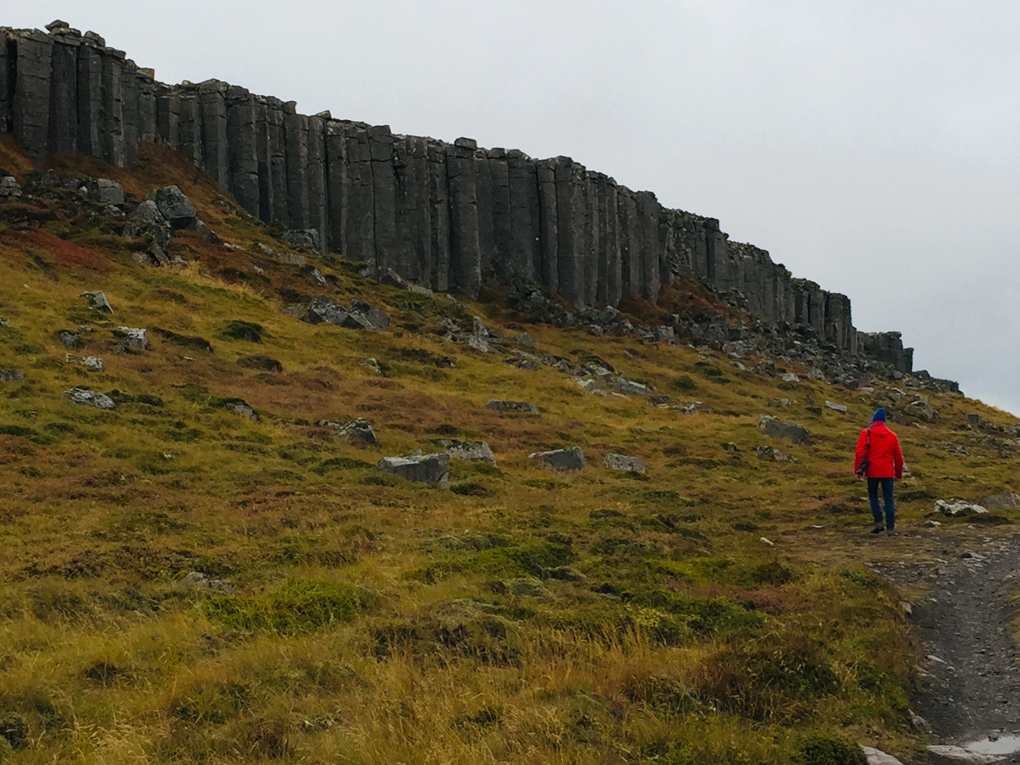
(770, 454)
(14, 730)
(198, 581)
(423, 468)
(522, 407)
(241, 407)
(835, 407)
(173, 205)
(1003, 501)
(86, 397)
(623, 463)
(562, 460)
(262, 363)
(131, 339)
(958, 509)
(359, 431)
(470, 451)
(96, 299)
(776, 428)
(91, 363)
(11, 375)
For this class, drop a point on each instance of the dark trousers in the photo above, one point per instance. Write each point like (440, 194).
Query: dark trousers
(887, 495)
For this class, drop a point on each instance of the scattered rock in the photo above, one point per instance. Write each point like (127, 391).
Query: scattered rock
(102, 190)
(146, 219)
(562, 460)
(770, 454)
(372, 364)
(470, 451)
(635, 389)
(199, 581)
(132, 339)
(241, 407)
(693, 407)
(524, 339)
(323, 309)
(11, 375)
(424, 468)
(91, 363)
(204, 231)
(835, 407)
(98, 301)
(86, 397)
(959, 754)
(522, 407)
(172, 204)
(878, 757)
(303, 237)
(358, 431)
(958, 509)
(775, 428)
(9, 187)
(262, 363)
(623, 463)
(591, 386)
(780, 403)
(974, 419)
(1003, 501)
(790, 377)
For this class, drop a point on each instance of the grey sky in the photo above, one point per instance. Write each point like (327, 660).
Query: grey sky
(873, 147)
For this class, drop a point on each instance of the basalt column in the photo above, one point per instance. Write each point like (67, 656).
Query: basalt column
(571, 203)
(590, 235)
(499, 186)
(358, 195)
(524, 255)
(148, 112)
(548, 272)
(296, 151)
(414, 218)
(190, 125)
(90, 96)
(111, 136)
(212, 102)
(630, 241)
(610, 264)
(839, 329)
(242, 149)
(5, 88)
(318, 193)
(465, 249)
(31, 102)
(384, 190)
(273, 162)
(439, 216)
(129, 91)
(168, 116)
(64, 93)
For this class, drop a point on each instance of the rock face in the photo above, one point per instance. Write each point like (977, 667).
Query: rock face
(425, 468)
(439, 214)
(623, 463)
(562, 460)
(775, 428)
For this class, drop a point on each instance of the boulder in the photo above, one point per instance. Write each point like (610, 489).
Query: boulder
(623, 463)
(132, 339)
(302, 237)
(9, 187)
(146, 219)
(98, 301)
(878, 757)
(11, 375)
(634, 389)
(91, 363)
(262, 363)
(102, 190)
(776, 428)
(196, 580)
(204, 231)
(562, 460)
(959, 754)
(521, 407)
(470, 451)
(1003, 501)
(974, 419)
(835, 407)
(173, 205)
(323, 309)
(376, 318)
(771, 454)
(241, 407)
(424, 468)
(86, 397)
(958, 509)
(358, 431)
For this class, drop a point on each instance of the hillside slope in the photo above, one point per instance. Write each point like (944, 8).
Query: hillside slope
(188, 580)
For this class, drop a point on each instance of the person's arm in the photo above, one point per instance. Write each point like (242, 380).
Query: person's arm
(898, 458)
(862, 441)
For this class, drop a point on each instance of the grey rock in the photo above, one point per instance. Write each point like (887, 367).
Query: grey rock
(241, 407)
(5, 323)
(780, 403)
(318, 278)
(132, 339)
(91, 363)
(523, 407)
(198, 581)
(146, 219)
(98, 301)
(69, 339)
(623, 463)
(260, 362)
(477, 343)
(323, 309)
(358, 431)
(290, 258)
(775, 428)
(371, 364)
(470, 451)
(974, 419)
(11, 375)
(303, 237)
(524, 339)
(204, 231)
(790, 377)
(9, 188)
(835, 407)
(86, 397)
(374, 318)
(423, 468)
(173, 205)
(949, 753)
(878, 757)
(1003, 501)
(528, 587)
(958, 509)
(591, 386)
(693, 407)
(771, 454)
(635, 389)
(562, 460)
(103, 190)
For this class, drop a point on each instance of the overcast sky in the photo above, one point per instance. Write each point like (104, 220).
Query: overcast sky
(871, 146)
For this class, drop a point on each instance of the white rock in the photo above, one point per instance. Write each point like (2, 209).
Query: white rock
(959, 754)
(878, 757)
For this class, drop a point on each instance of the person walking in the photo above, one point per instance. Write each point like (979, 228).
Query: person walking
(879, 459)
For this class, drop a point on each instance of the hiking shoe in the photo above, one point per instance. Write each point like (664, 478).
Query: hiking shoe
(878, 528)
(890, 533)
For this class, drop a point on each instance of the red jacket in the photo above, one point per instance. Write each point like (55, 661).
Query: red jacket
(885, 460)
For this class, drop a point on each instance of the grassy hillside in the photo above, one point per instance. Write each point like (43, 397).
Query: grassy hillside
(718, 609)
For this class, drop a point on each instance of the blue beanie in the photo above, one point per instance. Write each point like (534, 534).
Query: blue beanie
(879, 415)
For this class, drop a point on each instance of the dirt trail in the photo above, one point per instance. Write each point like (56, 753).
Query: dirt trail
(971, 681)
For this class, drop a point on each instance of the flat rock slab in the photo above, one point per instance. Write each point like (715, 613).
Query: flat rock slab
(623, 463)
(424, 468)
(562, 460)
(776, 428)
(957, 754)
(835, 407)
(86, 397)
(522, 407)
(470, 451)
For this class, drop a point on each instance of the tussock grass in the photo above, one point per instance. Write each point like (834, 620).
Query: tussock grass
(522, 616)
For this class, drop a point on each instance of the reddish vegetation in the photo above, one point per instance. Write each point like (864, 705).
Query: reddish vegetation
(643, 310)
(65, 253)
(12, 160)
(687, 295)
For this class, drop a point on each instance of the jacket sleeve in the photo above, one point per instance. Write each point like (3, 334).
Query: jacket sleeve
(862, 441)
(897, 458)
